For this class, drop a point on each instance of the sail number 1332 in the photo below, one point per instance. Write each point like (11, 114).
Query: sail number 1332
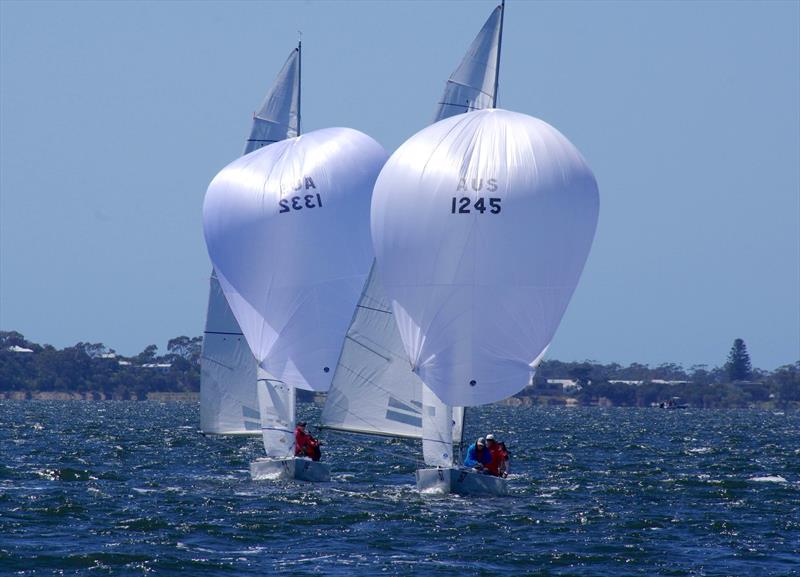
(466, 205)
(300, 202)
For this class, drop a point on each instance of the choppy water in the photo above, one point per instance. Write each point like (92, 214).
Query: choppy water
(116, 488)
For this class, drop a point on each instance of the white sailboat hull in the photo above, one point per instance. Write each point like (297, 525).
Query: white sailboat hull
(290, 468)
(444, 480)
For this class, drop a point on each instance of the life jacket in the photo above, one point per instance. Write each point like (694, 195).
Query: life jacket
(497, 455)
(304, 443)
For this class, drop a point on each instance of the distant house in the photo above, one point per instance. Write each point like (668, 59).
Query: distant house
(18, 349)
(567, 385)
(654, 381)
(163, 367)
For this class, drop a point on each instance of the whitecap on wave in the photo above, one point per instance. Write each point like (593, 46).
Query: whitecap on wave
(768, 479)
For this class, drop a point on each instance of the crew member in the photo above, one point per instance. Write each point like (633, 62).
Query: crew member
(304, 444)
(499, 464)
(478, 456)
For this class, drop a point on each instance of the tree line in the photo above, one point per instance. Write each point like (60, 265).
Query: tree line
(95, 368)
(735, 384)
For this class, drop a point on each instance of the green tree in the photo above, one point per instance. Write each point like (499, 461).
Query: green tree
(148, 355)
(738, 366)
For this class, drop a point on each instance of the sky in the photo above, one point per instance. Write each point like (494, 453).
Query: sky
(115, 116)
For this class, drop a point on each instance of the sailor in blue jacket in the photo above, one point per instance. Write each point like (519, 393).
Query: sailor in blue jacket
(478, 455)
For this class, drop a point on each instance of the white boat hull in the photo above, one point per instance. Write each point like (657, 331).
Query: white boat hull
(460, 481)
(290, 468)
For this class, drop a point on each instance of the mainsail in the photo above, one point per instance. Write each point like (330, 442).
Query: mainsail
(374, 390)
(473, 85)
(228, 398)
(481, 275)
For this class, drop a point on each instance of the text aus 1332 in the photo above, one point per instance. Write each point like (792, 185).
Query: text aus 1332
(301, 201)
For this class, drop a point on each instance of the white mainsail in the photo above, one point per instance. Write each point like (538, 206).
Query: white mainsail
(473, 85)
(276, 402)
(279, 115)
(374, 390)
(468, 219)
(228, 398)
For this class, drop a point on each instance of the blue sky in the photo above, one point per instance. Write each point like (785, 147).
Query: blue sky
(115, 116)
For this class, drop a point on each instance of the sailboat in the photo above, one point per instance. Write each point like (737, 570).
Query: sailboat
(481, 276)
(287, 229)
(228, 371)
(374, 390)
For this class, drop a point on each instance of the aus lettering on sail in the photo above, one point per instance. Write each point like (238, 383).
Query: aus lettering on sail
(299, 201)
(479, 204)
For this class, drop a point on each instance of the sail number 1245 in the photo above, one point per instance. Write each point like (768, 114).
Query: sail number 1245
(465, 205)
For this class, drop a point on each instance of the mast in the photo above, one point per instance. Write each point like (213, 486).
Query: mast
(499, 48)
(300, 79)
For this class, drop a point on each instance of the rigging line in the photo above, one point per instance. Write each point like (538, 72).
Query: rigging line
(276, 429)
(373, 309)
(216, 362)
(456, 83)
(387, 359)
(467, 106)
(222, 333)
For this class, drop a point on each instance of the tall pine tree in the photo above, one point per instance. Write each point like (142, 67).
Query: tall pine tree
(738, 365)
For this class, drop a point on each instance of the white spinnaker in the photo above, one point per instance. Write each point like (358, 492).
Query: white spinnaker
(276, 402)
(287, 229)
(374, 390)
(437, 430)
(472, 85)
(481, 225)
(228, 400)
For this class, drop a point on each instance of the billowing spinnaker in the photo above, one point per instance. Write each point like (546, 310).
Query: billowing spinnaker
(481, 225)
(287, 229)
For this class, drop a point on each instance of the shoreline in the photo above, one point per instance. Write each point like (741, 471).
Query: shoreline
(162, 396)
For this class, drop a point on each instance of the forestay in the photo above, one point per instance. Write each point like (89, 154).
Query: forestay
(374, 390)
(287, 229)
(228, 400)
(481, 225)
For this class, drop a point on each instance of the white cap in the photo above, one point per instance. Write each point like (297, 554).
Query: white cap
(490, 437)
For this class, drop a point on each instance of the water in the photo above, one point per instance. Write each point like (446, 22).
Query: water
(116, 488)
